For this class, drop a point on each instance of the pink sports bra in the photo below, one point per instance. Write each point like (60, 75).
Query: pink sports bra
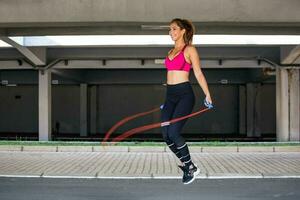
(178, 62)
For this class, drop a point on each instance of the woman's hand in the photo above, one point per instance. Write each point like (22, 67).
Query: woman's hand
(208, 99)
(208, 102)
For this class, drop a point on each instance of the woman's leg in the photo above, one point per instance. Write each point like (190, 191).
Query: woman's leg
(183, 107)
(185, 101)
(166, 115)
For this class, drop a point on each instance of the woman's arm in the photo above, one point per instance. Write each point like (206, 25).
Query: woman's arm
(195, 61)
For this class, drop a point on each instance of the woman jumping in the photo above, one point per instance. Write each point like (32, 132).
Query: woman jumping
(180, 97)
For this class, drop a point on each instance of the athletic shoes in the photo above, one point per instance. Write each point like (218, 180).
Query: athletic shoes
(189, 173)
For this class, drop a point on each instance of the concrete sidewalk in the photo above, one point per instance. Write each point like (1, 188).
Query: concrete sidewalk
(112, 148)
(145, 162)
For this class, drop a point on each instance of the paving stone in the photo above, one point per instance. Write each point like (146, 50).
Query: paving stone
(110, 149)
(40, 148)
(219, 149)
(10, 148)
(146, 149)
(74, 149)
(287, 149)
(255, 149)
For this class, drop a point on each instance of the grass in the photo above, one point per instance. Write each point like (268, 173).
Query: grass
(81, 143)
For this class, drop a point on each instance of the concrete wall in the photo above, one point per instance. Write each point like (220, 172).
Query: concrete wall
(118, 97)
(268, 108)
(19, 109)
(66, 108)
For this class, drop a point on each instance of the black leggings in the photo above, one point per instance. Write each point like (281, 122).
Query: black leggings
(180, 100)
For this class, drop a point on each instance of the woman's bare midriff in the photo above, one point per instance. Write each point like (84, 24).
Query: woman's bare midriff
(176, 76)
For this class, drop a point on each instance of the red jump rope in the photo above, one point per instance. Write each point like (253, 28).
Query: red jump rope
(150, 126)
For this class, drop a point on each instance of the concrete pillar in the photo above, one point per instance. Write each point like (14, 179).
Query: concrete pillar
(93, 109)
(250, 109)
(45, 105)
(282, 105)
(253, 110)
(83, 110)
(242, 110)
(294, 89)
(257, 110)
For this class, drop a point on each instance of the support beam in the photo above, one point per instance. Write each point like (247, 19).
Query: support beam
(253, 110)
(294, 89)
(257, 111)
(120, 63)
(92, 17)
(290, 54)
(282, 105)
(35, 55)
(93, 109)
(83, 110)
(288, 96)
(45, 105)
(250, 109)
(242, 110)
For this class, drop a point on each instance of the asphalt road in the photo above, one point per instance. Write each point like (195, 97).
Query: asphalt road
(112, 189)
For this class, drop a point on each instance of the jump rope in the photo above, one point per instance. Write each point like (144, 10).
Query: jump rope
(149, 126)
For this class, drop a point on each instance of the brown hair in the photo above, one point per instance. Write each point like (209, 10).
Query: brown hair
(189, 29)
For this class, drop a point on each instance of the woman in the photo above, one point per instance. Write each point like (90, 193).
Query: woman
(180, 98)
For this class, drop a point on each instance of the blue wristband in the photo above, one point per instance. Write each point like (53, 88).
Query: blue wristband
(207, 104)
(161, 106)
